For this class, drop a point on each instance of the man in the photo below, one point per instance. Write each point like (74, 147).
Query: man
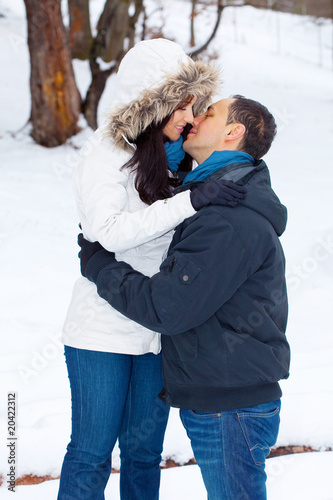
(220, 302)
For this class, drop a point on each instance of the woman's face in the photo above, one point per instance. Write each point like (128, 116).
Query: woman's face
(180, 118)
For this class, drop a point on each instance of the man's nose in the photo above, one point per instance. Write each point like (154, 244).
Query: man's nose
(197, 120)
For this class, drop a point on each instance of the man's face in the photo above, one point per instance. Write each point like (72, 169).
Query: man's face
(209, 131)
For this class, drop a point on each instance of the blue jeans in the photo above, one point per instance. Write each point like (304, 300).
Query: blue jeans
(231, 447)
(114, 396)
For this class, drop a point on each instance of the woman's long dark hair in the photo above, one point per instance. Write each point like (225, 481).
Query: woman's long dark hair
(154, 181)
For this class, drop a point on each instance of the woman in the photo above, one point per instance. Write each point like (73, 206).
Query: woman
(123, 192)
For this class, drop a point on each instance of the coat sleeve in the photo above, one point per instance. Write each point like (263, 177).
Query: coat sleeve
(101, 187)
(202, 271)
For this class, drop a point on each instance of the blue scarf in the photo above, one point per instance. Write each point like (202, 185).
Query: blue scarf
(214, 162)
(174, 153)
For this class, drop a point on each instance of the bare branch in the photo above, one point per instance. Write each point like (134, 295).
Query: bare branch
(220, 8)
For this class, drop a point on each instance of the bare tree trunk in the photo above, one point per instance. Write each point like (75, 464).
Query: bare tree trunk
(95, 91)
(220, 8)
(193, 14)
(144, 23)
(112, 23)
(55, 100)
(117, 31)
(79, 29)
(132, 22)
(114, 26)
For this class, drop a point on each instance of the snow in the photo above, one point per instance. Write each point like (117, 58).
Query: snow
(308, 472)
(278, 59)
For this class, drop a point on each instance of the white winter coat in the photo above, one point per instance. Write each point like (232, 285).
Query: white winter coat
(152, 79)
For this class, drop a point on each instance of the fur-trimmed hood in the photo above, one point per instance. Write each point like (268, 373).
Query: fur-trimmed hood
(153, 77)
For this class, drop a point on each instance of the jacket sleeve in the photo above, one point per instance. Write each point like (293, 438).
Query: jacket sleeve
(202, 271)
(101, 187)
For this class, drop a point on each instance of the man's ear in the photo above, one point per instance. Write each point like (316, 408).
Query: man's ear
(236, 131)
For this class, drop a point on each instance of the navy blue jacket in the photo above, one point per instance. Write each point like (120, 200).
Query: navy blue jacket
(219, 300)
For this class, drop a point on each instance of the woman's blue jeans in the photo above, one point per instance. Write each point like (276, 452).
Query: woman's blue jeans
(114, 396)
(231, 447)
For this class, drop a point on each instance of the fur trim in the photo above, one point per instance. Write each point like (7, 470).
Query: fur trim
(194, 78)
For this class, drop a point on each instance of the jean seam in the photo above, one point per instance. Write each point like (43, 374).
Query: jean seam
(245, 432)
(248, 443)
(261, 415)
(78, 424)
(222, 426)
(203, 417)
(81, 405)
(128, 418)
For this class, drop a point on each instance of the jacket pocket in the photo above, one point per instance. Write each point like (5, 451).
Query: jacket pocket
(188, 273)
(179, 276)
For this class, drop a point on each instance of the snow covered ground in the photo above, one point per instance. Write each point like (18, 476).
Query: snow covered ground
(285, 62)
(304, 476)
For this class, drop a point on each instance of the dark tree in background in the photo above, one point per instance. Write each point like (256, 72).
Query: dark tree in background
(114, 28)
(80, 36)
(55, 100)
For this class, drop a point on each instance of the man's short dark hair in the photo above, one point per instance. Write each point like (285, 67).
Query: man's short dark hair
(259, 123)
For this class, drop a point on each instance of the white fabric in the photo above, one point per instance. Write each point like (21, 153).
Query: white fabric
(146, 66)
(111, 212)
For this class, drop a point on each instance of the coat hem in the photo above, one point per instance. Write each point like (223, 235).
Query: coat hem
(220, 398)
(103, 348)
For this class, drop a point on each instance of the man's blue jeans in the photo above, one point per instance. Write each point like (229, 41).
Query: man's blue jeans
(231, 447)
(114, 396)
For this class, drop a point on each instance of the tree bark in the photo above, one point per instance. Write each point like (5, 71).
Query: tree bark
(114, 26)
(55, 100)
(95, 91)
(132, 22)
(193, 14)
(111, 29)
(79, 29)
(117, 31)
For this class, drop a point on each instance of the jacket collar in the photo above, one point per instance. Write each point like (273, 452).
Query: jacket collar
(260, 196)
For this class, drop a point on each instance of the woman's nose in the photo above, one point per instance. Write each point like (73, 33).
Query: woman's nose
(189, 115)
